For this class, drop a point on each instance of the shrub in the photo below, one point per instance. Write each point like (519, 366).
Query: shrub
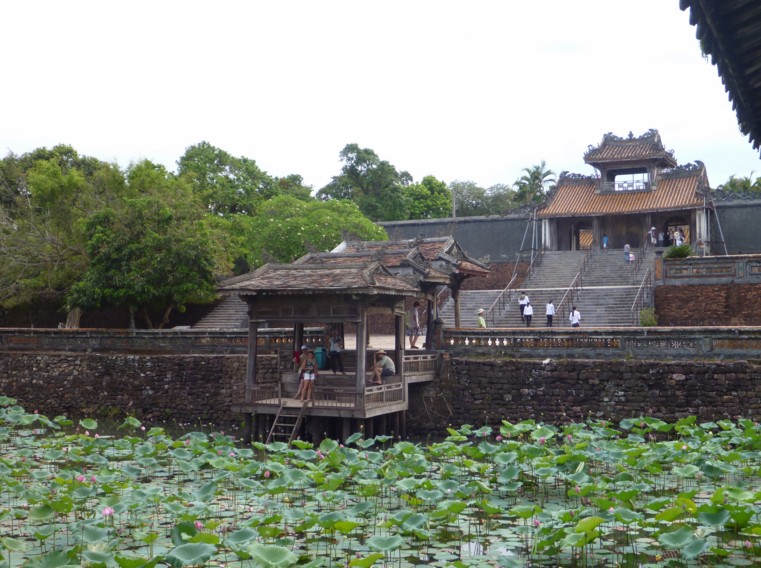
(681, 251)
(647, 317)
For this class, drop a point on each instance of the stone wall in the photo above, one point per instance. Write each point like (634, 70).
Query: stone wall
(184, 389)
(487, 391)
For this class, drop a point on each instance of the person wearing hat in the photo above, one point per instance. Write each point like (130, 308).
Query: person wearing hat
(298, 356)
(384, 367)
(481, 321)
(652, 233)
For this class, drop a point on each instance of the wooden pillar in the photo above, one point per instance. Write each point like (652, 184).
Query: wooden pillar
(361, 356)
(253, 327)
(247, 428)
(429, 317)
(383, 424)
(395, 425)
(403, 423)
(399, 341)
(369, 428)
(455, 288)
(345, 428)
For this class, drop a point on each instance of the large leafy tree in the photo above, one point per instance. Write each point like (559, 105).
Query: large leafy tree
(149, 251)
(46, 197)
(429, 199)
(373, 184)
(227, 184)
(501, 198)
(470, 199)
(286, 228)
(534, 184)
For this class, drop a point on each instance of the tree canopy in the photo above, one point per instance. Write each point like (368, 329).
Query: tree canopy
(373, 184)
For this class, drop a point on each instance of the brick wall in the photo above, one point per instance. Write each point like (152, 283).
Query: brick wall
(709, 304)
(488, 391)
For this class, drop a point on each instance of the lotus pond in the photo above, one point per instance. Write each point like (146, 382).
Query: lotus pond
(639, 493)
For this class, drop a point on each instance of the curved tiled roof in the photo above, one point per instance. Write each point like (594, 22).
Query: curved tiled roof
(643, 148)
(681, 188)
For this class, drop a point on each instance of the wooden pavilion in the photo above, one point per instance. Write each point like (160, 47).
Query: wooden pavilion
(639, 186)
(344, 289)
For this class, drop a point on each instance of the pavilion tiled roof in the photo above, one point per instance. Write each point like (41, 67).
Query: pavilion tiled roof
(318, 279)
(682, 188)
(614, 149)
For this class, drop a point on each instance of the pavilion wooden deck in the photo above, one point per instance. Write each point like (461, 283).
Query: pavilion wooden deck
(336, 396)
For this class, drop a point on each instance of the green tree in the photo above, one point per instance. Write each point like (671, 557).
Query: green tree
(286, 228)
(744, 184)
(373, 184)
(150, 251)
(293, 185)
(227, 185)
(534, 184)
(470, 199)
(47, 195)
(429, 199)
(501, 198)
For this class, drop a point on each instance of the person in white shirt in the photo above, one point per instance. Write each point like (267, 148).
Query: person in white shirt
(414, 323)
(550, 311)
(522, 301)
(575, 317)
(528, 313)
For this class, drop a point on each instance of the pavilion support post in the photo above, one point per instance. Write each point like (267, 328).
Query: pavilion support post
(403, 423)
(361, 356)
(429, 317)
(399, 341)
(247, 427)
(345, 428)
(383, 424)
(395, 425)
(253, 328)
(455, 288)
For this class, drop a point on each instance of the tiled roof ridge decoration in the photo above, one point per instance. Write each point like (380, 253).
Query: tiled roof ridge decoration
(615, 148)
(683, 170)
(724, 195)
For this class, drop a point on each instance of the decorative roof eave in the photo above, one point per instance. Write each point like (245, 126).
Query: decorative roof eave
(637, 212)
(728, 32)
(272, 279)
(617, 150)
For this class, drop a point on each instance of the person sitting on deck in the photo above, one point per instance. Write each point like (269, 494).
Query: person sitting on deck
(384, 367)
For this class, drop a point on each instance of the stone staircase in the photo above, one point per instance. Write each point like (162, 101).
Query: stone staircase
(231, 313)
(609, 289)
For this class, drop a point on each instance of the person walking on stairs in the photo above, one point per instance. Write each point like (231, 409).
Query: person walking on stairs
(528, 313)
(575, 317)
(522, 301)
(550, 311)
(481, 322)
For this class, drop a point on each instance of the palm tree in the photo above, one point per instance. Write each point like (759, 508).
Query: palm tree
(533, 185)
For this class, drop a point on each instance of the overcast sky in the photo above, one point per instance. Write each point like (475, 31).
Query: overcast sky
(472, 90)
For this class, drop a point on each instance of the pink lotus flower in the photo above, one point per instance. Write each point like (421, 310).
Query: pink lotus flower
(93, 479)
(499, 438)
(108, 512)
(199, 525)
(537, 522)
(541, 440)
(81, 478)
(267, 474)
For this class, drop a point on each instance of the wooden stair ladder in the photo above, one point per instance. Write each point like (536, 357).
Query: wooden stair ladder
(287, 423)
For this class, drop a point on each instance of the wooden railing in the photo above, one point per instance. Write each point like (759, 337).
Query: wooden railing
(420, 363)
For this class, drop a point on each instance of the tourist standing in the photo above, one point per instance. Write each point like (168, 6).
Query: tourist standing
(309, 373)
(528, 313)
(522, 301)
(550, 311)
(414, 321)
(335, 359)
(604, 243)
(481, 321)
(627, 252)
(575, 317)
